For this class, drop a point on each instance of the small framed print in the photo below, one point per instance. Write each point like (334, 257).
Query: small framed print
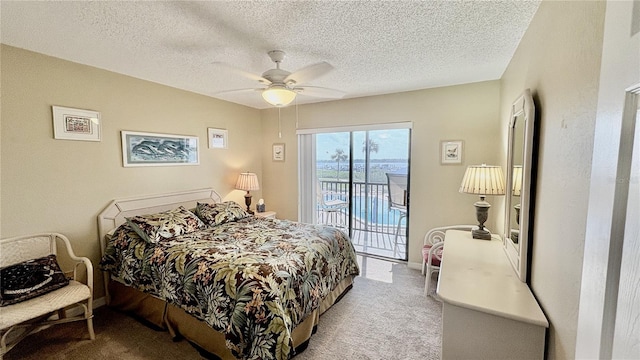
(218, 138)
(451, 152)
(75, 124)
(278, 152)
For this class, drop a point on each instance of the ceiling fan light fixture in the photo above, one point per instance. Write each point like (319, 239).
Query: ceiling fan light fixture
(278, 95)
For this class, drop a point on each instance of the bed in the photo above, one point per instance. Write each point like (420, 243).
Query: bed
(235, 286)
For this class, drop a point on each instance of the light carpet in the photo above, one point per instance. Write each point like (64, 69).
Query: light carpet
(384, 316)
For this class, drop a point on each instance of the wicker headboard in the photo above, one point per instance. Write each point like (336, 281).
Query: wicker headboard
(118, 210)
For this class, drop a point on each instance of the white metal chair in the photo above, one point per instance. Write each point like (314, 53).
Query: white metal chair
(397, 185)
(432, 251)
(39, 312)
(332, 206)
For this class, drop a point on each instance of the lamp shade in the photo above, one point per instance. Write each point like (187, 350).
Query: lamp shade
(516, 186)
(483, 180)
(278, 95)
(247, 182)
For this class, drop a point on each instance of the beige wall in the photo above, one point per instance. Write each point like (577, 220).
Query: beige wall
(466, 112)
(609, 312)
(62, 185)
(559, 59)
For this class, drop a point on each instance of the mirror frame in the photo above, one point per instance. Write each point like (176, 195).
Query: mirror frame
(518, 253)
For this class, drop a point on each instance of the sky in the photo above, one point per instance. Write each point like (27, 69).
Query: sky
(392, 144)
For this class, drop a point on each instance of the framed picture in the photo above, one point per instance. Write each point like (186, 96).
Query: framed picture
(150, 149)
(278, 152)
(451, 152)
(75, 124)
(217, 138)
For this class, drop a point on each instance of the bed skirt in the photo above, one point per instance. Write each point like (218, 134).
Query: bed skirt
(158, 314)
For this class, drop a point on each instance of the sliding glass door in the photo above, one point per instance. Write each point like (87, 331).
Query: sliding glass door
(333, 171)
(361, 185)
(380, 224)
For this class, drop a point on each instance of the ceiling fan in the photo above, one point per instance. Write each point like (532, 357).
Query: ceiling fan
(281, 86)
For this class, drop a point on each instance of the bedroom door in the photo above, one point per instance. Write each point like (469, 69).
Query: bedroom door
(360, 183)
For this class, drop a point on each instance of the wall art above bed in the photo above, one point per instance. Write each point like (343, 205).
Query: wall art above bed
(151, 149)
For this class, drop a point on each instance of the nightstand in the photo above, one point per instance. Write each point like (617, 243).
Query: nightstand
(266, 214)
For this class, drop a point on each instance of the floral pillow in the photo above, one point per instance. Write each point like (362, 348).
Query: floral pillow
(220, 213)
(165, 225)
(29, 279)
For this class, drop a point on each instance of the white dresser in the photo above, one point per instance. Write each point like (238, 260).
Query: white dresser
(488, 313)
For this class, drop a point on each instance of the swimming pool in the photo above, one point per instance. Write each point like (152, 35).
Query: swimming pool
(378, 212)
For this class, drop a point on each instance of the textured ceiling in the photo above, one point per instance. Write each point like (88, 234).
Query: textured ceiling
(375, 47)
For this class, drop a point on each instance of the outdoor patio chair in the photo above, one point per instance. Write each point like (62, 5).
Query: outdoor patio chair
(398, 199)
(332, 207)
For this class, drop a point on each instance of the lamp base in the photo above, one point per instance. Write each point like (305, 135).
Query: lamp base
(482, 212)
(247, 201)
(481, 234)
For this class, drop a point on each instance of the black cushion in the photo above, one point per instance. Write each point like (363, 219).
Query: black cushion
(29, 279)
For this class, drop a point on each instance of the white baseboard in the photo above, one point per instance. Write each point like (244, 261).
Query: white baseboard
(415, 265)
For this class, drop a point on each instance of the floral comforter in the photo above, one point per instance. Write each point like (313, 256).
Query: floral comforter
(253, 279)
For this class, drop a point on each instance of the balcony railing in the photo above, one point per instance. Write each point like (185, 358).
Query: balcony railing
(373, 223)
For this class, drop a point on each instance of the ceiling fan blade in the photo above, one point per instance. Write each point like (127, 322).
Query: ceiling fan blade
(321, 92)
(243, 73)
(309, 73)
(237, 91)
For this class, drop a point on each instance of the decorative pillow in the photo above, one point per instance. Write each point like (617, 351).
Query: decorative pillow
(220, 213)
(165, 225)
(29, 279)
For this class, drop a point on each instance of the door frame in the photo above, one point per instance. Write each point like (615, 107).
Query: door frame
(307, 174)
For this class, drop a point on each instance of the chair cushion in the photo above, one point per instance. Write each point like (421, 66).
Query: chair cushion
(29, 279)
(434, 259)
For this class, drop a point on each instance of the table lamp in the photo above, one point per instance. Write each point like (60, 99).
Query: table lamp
(482, 180)
(247, 181)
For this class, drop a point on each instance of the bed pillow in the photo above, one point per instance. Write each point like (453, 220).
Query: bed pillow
(165, 225)
(220, 213)
(29, 279)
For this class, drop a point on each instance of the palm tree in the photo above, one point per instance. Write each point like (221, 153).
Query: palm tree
(339, 156)
(372, 146)
(369, 146)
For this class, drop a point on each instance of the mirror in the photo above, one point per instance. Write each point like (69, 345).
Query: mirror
(519, 198)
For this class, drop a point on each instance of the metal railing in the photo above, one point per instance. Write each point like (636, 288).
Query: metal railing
(369, 206)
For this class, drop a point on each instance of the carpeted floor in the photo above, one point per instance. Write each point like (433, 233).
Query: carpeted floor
(384, 316)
